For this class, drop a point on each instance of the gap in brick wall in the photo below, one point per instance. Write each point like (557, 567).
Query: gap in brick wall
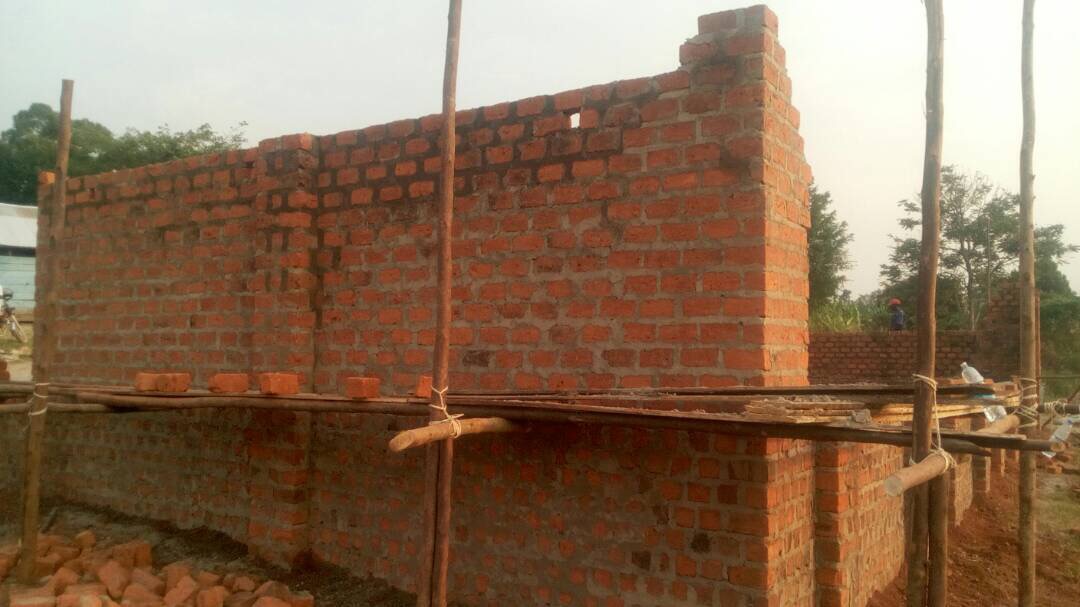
(575, 120)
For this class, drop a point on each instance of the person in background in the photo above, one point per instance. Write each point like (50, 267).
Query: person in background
(896, 315)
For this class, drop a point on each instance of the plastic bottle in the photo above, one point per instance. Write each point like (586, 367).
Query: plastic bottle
(1060, 435)
(970, 374)
(994, 413)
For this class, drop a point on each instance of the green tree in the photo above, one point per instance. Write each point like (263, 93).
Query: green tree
(979, 248)
(29, 147)
(828, 242)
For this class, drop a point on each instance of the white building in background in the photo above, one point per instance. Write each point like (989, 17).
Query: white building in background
(18, 242)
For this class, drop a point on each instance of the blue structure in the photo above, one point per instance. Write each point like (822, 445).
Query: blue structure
(18, 243)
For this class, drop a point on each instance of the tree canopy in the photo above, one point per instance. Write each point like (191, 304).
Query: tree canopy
(828, 241)
(29, 147)
(980, 226)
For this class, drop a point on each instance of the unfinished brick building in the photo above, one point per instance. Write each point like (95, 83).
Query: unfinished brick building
(657, 239)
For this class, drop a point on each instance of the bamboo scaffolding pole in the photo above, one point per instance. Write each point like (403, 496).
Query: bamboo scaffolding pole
(435, 550)
(424, 435)
(918, 549)
(31, 497)
(1029, 354)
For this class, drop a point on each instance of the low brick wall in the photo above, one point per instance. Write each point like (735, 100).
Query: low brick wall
(564, 513)
(890, 356)
(886, 356)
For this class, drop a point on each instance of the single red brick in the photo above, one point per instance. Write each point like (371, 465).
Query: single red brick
(230, 383)
(146, 382)
(279, 383)
(718, 22)
(115, 577)
(691, 52)
(162, 382)
(362, 387)
(174, 382)
(423, 386)
(211, 597)
(184, 590)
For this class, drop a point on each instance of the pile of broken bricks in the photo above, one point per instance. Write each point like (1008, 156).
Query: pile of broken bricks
(78, 572)
(276, 384)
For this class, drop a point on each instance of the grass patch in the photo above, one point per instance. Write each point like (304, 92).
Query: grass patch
(1059, 516)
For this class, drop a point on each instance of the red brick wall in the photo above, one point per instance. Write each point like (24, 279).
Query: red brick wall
(961, 477)
(859, 538)
(661, 242)
(886, 356)
(573, 515)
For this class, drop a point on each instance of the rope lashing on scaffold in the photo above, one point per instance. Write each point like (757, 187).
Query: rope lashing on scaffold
(1029, 391)
(935, 441)
(455, 425)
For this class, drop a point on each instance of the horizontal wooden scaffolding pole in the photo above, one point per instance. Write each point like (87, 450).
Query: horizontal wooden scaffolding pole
(932, 466)
(431, 433)
(849, 390)
(1004, 425)
(936, 464)
(524, 410)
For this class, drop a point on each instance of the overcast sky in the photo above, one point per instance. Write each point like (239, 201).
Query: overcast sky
(324, 67)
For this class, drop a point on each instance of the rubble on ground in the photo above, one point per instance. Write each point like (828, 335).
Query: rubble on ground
(81, 572)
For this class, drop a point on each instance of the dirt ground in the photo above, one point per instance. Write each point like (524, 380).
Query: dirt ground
(20, 369)
(212, 551)
(18, 355)
(982, 549)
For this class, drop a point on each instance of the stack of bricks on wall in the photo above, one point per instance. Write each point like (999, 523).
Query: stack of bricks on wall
(643, 233)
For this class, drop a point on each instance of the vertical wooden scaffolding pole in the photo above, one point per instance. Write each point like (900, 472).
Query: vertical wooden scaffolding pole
(35, 428)
(435, 551)
(35, 438)
(925, 394)
(46, 330)
(1029, 356)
